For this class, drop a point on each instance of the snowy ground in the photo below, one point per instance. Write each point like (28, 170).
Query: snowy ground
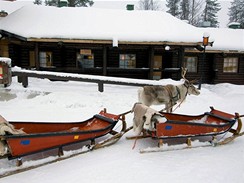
(50, 101)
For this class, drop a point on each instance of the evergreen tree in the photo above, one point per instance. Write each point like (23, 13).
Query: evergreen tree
(195, 12)
(71, 3)
(85, 3)
(236, 12)
(190, 10)
(173, 6)
(210, 12)
(38, 2)
(148, 5)
(51, 2)
(185, 10)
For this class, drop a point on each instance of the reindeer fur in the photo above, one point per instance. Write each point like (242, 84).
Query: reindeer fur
(6, 127)
(168, 94)
(144, 117)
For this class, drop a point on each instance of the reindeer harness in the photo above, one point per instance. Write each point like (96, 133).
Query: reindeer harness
(174, 99)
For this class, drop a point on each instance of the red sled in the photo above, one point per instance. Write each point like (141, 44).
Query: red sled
(42, 136)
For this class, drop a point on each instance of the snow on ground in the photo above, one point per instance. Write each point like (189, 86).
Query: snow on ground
(44, 100)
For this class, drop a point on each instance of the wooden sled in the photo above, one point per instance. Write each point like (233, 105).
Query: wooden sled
(180, 126)
(42, 136)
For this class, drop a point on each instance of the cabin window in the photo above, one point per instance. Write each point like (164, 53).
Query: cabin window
(85, 60)
(230, 65)
(46, 59)
(127, 61)
(191, 64)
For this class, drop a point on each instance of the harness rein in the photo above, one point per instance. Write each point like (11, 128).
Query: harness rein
(177, 97)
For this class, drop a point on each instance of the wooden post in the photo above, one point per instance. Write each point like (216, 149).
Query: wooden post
(188, 142)
(24, 80)
(181, 60)
(151, 62)
(214, 141)
(100, 86)
(104, 61)
(160, 143)
(19, 162)
(37, 62)
(93, 142)
(19, 79)
(60, 151)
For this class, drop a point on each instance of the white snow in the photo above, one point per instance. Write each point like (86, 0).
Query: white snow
(11, 6)
(110, 24)
(44, 100)
(6, 60)
(93, 23)
(95, 77)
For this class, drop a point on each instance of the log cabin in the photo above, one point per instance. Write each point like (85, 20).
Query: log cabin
(120, 43)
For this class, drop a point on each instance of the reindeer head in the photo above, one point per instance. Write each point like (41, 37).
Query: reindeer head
(191, 89)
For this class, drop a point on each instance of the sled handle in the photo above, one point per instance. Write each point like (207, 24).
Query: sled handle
(241, 116)
(239, 125)
(127, 112)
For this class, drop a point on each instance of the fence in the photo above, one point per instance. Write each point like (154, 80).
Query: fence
(23, 76)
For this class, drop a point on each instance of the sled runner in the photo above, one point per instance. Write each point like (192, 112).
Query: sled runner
(180, 126)
(34, 137)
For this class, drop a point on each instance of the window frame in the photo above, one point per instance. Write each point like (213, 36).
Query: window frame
(128, 63)
(82, 61)
(229, 66)
(47, 59)
(191, 68)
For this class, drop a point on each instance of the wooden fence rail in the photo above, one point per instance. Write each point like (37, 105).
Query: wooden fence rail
(23, 76)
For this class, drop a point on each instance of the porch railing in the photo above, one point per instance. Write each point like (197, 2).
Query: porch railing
(23, 76)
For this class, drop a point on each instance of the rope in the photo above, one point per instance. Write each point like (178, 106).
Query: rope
(134, 145)
(183, 98)
(179, 104)
(171, 98)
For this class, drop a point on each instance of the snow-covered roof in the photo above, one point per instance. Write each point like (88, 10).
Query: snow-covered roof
(226, 39)
(11, 6)
(98, 24)
(84, 23)
(234, 23)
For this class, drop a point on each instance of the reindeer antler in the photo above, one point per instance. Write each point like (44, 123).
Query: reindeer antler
(183, 72)
(194, 81)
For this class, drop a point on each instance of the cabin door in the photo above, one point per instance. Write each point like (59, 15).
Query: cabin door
(157, 67)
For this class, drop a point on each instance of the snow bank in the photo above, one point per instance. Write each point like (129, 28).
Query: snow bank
(50, 101)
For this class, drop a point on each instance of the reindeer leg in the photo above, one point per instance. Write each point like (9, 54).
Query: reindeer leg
(170, 110)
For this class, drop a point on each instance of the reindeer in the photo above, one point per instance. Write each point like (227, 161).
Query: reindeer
(168, 95)
(145, 118)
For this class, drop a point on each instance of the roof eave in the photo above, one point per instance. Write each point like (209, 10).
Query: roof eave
(11, 35)
(97, 41)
